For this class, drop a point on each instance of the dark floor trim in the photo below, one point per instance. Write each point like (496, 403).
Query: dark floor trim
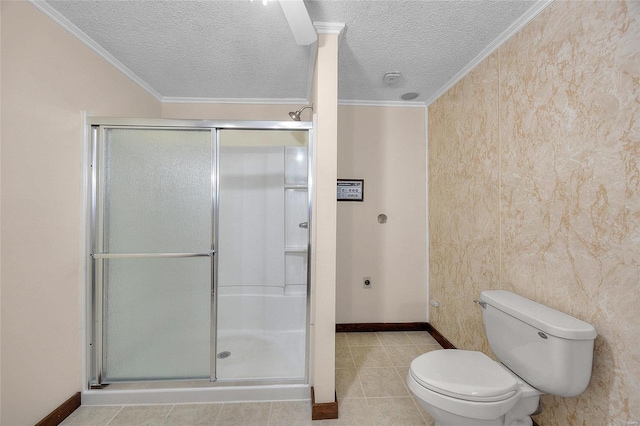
(396, 326)
(446, 344)
(62, 412)
(381, 326)
(323, 411)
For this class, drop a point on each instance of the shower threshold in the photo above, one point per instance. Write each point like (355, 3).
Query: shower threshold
(193, 391)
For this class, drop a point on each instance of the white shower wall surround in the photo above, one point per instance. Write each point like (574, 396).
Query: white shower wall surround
(251, 211)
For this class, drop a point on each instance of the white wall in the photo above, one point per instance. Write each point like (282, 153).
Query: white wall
(48, 79)
(386, 147)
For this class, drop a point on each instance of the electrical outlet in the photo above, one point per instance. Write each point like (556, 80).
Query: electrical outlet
(366, 282)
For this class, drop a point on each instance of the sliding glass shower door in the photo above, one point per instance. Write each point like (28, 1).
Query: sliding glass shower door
(199, 254)
(154, 257)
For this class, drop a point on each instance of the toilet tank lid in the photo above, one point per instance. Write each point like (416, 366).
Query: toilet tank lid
(542, 317)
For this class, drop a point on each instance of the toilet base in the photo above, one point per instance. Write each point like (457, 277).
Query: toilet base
(517, 416)
(444, 418)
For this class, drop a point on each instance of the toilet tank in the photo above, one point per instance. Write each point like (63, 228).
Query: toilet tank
(548, 349)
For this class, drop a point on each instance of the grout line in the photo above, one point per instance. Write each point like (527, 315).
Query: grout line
(270, 411)
(215, 422)
(417, 405)
(114, 416)
(353, 360)
(366, 400)
(166, 417)
(388, 357)
(389, 397)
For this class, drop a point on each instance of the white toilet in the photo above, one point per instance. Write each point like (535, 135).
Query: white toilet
(541, 350)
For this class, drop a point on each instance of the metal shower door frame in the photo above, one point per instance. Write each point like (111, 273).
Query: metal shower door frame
(96, 130)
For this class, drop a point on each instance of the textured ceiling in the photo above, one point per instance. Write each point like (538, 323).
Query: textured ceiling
(245, 50)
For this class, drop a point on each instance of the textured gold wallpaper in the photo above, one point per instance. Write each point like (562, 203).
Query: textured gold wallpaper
(534, 187)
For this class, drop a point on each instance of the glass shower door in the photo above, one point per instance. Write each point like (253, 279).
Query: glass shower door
(153, 253)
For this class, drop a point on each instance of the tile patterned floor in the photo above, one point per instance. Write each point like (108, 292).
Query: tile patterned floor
(370, 382)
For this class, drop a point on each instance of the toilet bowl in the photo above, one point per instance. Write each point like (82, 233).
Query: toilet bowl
(463, 388)
(540, 350)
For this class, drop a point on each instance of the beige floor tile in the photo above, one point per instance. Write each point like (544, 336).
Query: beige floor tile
(91, 416)
(381, 382)
(363, 339)
(290, 413)
(244, 414)
(344, 358)
(401, 356)
(422, 338)
(428, 348)
(370, 356)
(193, 414)
(395, 412)
(341, 339)
(139, 415)
(348, 384)
(425, 415)
(394, 338)
(402, 373)
(351, 412)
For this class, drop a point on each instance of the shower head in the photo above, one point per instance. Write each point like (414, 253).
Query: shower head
(295, 115)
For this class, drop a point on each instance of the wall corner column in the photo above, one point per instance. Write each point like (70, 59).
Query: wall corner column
(323, 264)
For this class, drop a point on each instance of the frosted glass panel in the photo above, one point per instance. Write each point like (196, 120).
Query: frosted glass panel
(297, 214)
(157, 191)
(157, 318)
(251, 216)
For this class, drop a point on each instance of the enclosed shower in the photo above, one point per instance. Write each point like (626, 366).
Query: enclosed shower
(199, 252)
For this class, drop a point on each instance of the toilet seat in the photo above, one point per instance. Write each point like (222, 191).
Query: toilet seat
(466, 375)
(464, 383)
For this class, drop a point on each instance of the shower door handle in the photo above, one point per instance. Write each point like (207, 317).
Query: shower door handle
(303, 225)
(149, 255)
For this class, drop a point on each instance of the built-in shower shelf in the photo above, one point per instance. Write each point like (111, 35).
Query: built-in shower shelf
(295, 186)
(295, 249)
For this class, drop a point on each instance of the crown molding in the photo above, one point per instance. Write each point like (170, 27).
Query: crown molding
(254, 101)
(335, 28)
(512, 29)
(395, 104)
(289, 101)
(52, 13)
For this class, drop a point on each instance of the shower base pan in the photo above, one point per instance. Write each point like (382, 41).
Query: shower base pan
(250, 367)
